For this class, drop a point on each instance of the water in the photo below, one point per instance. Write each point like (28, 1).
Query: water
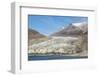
(54, 57)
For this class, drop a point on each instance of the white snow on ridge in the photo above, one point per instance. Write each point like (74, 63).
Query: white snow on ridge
(79, 24)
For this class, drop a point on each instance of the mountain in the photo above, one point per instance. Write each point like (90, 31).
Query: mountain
(74, 29)
(33, 34)
(83, 26)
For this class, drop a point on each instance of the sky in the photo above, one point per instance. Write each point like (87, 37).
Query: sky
(46, 24)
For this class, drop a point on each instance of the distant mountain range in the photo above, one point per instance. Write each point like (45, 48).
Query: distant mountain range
(33, 34)
(74, 29)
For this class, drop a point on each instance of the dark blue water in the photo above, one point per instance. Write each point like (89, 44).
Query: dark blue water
(54, 57)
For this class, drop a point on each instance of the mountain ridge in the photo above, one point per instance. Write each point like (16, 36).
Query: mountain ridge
(32, 34)
(72, 30)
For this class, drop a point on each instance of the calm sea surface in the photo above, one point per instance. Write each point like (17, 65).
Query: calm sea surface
(53, 57)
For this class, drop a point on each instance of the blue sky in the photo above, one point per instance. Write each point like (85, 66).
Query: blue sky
(46, 24)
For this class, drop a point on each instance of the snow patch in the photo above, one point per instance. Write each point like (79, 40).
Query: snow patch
(79, 24)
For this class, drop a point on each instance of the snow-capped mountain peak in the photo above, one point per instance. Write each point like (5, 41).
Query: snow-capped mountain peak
(79, 24)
